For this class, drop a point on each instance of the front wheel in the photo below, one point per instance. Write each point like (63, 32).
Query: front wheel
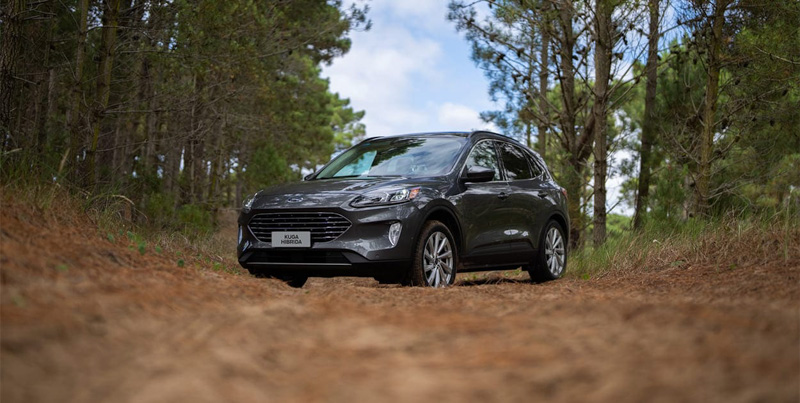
(295, 281)
(551, 259)
(291, 281)
(435, 258)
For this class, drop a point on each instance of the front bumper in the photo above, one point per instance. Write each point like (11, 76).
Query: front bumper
(363, 249)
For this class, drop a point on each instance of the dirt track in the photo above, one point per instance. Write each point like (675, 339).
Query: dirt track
(91, 320)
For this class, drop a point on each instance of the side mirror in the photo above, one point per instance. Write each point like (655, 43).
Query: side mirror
(479, 174)
(309, 176)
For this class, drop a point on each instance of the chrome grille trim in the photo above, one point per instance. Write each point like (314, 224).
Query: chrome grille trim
(324, 226)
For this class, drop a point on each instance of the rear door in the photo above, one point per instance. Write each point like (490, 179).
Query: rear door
(526, 201)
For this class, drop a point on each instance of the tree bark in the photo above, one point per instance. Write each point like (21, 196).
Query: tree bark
(45, 87)
(544, 78)
(110, 21)
(578, 146)
(9, 55)
(567, 122)
(602, 59)
(649, 126)
(76, 138)
(702, 179)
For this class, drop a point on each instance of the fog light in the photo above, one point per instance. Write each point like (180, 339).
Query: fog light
(394, 232)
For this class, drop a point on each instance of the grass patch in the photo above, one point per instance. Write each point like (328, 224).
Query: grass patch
(191, 245)
(728, 242)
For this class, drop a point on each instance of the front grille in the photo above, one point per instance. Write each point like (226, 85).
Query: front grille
(324, 227)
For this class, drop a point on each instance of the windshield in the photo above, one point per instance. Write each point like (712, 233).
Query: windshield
(406, 157)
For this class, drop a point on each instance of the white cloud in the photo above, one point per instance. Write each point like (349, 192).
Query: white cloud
(427, 14)
(461, 118)
(379, 73)
(411, 72)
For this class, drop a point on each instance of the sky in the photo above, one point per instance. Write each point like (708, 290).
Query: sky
(412, 72)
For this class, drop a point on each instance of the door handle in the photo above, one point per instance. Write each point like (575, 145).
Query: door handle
(503, 195)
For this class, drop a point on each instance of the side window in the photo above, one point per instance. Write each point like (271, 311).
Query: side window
(536, 167)
(515, 162)
(483, 155)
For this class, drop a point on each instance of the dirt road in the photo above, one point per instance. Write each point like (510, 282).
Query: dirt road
(87, 319)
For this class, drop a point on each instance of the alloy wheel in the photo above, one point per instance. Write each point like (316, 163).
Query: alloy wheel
(437, 260)
(554, 250)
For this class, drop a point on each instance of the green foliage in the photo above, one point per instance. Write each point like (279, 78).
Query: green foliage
(345, 123)
(617, 225)
(204, 96)
(665, 245)
(267, 167)
(195, 220)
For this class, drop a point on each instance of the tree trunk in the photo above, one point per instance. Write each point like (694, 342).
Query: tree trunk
(51, 98)
(76, 134)
(649, 126)
(45, 86)
(172, 156)
(528, 134)
(567, 123)
(216, 164)
(602, 59)
(9, 53)
(544, 78)
(573, 183)
(703, 176)
(110, 22)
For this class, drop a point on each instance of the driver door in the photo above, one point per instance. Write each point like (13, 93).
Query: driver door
(484, 210)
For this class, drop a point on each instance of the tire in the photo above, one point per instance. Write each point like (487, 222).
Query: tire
(435, 253)
(550, 262)
(295, 281)
(391, 279)
(292, 281)
(257, 273)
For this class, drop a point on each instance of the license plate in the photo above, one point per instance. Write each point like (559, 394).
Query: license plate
(291, 239)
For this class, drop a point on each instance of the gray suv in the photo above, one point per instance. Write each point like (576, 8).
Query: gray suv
(413, 209)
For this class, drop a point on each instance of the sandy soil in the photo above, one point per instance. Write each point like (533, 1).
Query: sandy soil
(90, 320)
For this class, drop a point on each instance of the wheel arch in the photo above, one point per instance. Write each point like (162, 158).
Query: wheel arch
(557, 217)
(448, 218)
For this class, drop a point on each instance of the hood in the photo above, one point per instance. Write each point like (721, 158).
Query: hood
(330, 192)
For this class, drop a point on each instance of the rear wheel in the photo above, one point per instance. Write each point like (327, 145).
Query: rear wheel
(551, 259)
(435, 257)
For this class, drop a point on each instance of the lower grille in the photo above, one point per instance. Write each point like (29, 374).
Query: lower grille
(323, 226)
(306, 257)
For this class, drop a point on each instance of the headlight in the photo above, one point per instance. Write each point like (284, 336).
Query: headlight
(248, 203)
(383, 197)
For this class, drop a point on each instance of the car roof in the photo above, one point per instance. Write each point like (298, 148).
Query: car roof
(476, 133)
(421, 134)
